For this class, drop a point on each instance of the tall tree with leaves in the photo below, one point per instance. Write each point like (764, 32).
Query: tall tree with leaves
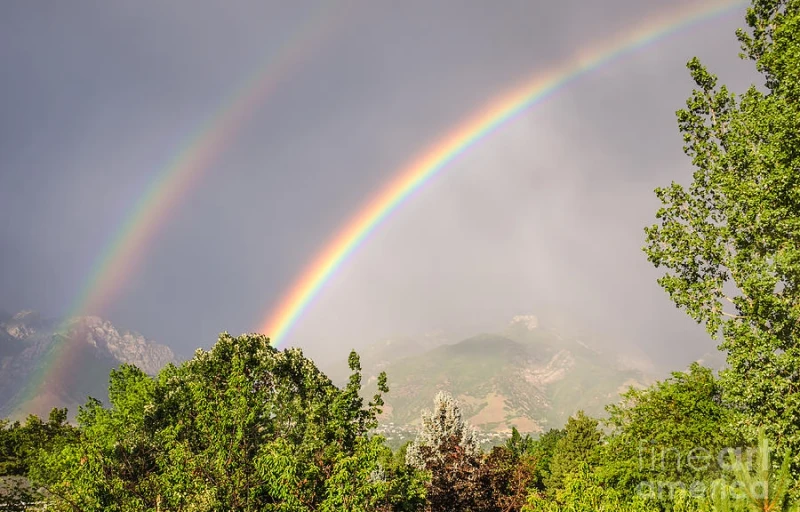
(730, 242)
(578, 446)
(673, 431)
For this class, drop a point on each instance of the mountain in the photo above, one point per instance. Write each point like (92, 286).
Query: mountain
(46, 363)
(525, 376)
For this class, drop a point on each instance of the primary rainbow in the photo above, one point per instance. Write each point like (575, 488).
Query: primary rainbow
(116, 264)
(423, 168)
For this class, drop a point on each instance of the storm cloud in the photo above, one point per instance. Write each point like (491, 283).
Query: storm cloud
(545, 216)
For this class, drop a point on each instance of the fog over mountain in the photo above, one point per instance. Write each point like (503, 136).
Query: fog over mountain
(527, 375)
(543, 217)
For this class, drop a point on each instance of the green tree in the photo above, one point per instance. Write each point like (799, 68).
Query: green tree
(22, 445)
(730, 242)
(673, 431)
(240, 427)
(543, 449)
(519, 445)
(578, 445)
(582, 491)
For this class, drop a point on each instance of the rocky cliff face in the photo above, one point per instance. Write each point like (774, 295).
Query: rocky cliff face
(125, 347)
(45, 364)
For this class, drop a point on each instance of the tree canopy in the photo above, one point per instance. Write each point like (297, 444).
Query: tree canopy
(730, 242)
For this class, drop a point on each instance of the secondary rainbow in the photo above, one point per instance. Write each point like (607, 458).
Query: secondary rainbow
(421, 169)
(116, 264)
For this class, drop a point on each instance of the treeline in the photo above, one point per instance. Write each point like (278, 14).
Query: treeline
(246, 427)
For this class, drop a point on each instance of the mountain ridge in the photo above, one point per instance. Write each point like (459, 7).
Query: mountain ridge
(45, 363)
(526, 376)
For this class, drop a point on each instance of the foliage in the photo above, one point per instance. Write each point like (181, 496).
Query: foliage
(441, 427)
(582, 491)
(241, 427)
(578, 445)
(508, 475)
(447, 450)
(759, 486)
(729, 242)
(543, 450)
(22, 445)
(673, 431)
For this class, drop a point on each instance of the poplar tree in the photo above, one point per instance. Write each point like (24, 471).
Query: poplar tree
(729, 243)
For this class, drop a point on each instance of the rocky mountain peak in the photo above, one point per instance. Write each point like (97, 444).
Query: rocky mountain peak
(530, 322)
(91, 345)
(22, 325)
(126, 346)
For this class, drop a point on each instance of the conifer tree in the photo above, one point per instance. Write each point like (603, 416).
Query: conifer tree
(580, 441)
(446, 448)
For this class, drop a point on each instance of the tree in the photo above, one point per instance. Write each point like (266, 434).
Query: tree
(241, 427)
(730, 242)
(508, 475)
(446, 448)
(440, 426)
(519, 445)
(21, 447)
(673, 431)
(579, 445)
(582, 491)
(22, 443)
(543, 450)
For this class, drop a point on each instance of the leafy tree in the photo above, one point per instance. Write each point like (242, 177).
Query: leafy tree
(507, 476)
(582, 491)
(578, 445)
(408, 481)
(759, 486)
(673, 431)
(730, 242)
(21, 446)
(240, 427)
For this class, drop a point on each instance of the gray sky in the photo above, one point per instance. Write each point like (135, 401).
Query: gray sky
(544, 215)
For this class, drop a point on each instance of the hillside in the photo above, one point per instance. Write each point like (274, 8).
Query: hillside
(46, 364)
(526, 376)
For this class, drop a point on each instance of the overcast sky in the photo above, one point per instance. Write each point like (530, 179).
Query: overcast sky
(546, 214)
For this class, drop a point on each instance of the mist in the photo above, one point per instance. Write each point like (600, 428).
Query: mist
(543, 217)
